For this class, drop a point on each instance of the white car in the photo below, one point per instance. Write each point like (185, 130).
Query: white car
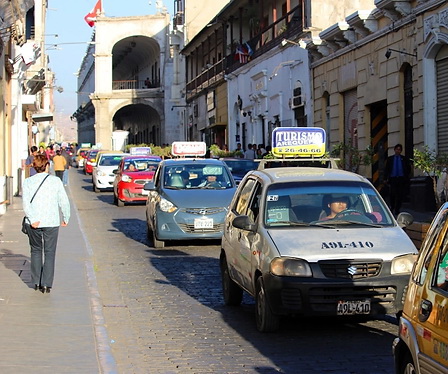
(103, 173)
(285, 244)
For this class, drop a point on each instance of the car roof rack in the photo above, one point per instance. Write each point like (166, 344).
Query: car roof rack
(267, 163)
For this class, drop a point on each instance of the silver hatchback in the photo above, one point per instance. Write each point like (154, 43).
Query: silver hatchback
(313, 241)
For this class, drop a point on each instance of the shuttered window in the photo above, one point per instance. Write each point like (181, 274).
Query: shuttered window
(442, 101)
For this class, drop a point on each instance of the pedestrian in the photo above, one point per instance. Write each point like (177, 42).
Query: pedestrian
(397, 174)
(68, 158)
(59, 162)
(34, 132)
(44, 198)
(29, 160)
(250, 152)
(261, 151)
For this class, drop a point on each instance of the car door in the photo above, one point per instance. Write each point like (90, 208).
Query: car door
(239, 241)
(430, 299)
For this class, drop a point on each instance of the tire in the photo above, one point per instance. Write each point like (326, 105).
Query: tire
(266, 320)
(156, 243)
(95, 188)
(120, 203)
(233, 294)
(407, 365)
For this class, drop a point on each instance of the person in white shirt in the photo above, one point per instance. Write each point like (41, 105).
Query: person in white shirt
(250, 152)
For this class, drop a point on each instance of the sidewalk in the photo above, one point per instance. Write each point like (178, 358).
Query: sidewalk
(60, 332)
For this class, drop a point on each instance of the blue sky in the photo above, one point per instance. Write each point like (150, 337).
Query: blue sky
(66, 19)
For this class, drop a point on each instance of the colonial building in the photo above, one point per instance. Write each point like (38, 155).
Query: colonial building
(385, 81)
(26, 90)
(245, 73)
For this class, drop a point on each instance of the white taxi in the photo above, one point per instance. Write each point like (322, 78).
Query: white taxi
(313, 241)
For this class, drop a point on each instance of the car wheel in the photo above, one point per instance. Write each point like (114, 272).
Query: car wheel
(266, 320)
(407, 366)
(151, 235)
(233, 294)
(120, 203)
(95, 188)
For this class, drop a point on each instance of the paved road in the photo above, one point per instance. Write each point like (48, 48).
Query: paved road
(164, 312)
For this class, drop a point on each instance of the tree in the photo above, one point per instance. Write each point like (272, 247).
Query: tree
(351, 158)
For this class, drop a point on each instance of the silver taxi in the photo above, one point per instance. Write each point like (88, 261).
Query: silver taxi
(313, 241)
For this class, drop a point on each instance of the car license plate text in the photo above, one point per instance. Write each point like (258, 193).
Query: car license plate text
(346, 308)
(201, 223)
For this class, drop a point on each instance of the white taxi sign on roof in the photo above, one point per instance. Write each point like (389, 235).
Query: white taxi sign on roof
(140, 151)
(188, 149)
(298, 141)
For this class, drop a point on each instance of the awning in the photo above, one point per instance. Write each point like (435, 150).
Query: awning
(42, 117)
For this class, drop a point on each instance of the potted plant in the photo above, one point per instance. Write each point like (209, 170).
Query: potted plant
(432, 165)
(351, 158)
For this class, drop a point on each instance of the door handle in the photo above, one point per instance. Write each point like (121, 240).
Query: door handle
(425, 310)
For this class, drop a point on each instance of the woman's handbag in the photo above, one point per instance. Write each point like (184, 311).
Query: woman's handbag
(26, 224)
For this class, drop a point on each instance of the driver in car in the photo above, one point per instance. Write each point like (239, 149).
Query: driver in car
(336, 206)
(210, 181)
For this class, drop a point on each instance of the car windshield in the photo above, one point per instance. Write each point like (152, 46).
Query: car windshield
(325, 204)
(140, 164)
(197, 176)
(112, 160)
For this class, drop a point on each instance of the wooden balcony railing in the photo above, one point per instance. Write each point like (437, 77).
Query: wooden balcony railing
(134, 84)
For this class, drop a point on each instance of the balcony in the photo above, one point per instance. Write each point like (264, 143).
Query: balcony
(134, 84)
(286, 27)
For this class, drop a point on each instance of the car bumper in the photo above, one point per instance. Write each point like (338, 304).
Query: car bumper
(104, 182)
(130, 193)
(312, 296)
(180, 225)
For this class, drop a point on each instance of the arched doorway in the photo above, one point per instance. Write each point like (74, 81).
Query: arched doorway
(142, 121)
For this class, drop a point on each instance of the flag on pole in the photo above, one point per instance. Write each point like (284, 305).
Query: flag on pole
(91, 17)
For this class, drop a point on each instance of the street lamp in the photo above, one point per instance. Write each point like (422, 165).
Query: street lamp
(390, 50)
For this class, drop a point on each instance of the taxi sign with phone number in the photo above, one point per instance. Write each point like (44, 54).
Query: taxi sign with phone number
(298, 142)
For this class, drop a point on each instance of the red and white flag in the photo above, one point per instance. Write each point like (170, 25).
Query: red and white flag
(91, 17)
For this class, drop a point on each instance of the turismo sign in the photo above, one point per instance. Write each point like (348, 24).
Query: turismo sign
(188, 149)
(298, 141)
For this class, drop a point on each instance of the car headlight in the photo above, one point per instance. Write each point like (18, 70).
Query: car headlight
(403, 264)
(291, 267)
(126, 178)
(166, 206)
(101, 173)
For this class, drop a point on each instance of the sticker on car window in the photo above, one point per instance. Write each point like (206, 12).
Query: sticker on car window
(272, 198)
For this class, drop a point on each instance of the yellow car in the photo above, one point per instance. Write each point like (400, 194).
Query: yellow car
(422, 344)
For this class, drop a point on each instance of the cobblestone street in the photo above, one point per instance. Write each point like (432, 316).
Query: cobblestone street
(164, 311)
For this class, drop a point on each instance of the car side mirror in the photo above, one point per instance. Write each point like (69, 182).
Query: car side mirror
(115, 171)
(405, 219)
(244, 223)
(149, 186)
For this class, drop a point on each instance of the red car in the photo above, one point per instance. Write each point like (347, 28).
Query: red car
(130, 177)
(90, 161)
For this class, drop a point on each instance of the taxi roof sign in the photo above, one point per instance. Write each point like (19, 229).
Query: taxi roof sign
(298, 142)
(140, 151)
(183, 149)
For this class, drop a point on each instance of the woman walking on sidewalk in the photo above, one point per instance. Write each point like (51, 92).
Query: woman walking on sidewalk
(42, 210)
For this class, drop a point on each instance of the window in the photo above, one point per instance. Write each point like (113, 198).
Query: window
(242, 202)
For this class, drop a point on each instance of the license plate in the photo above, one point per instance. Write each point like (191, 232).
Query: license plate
(203, 223)
(347, 308)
